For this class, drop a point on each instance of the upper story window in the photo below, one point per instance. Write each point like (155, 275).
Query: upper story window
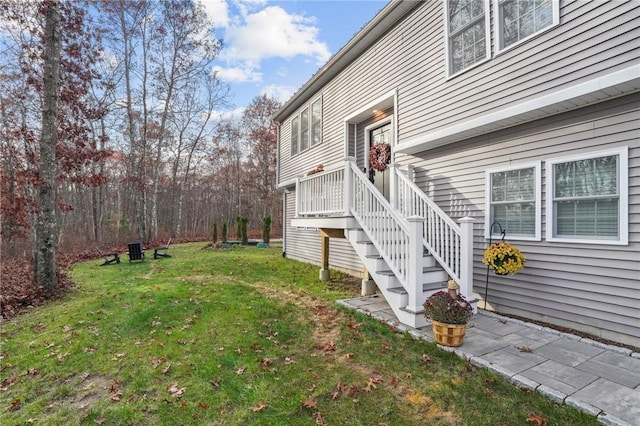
(467, 33)
(513, 200)
(295, 134)
(306, 127)
(588, 199)
(516, 20)
(316, 122)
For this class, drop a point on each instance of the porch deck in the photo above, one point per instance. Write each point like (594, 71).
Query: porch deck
(599, 379)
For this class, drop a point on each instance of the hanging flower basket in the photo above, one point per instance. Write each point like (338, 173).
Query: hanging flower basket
(379, 156)
(504, 258)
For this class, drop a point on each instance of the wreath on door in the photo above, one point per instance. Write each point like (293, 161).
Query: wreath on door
(379, 156)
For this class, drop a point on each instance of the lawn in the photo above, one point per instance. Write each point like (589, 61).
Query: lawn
(235, 337)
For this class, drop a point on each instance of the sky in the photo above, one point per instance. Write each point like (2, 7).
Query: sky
(274, 47)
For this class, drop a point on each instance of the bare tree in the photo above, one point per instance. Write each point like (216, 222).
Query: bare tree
(46, 225)
(261, 134)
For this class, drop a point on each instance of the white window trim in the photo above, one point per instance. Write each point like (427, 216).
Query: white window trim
(498, 29)
(487, 34)
(536, 165)
(623, 185)
(298, 113)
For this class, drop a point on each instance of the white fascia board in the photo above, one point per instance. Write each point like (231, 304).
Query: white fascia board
(505, 117)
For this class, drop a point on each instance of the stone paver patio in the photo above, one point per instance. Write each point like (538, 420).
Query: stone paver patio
(599, 379)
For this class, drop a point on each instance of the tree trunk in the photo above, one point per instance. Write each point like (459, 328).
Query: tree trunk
(46, 227)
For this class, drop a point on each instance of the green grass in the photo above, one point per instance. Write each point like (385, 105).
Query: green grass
(236, 337)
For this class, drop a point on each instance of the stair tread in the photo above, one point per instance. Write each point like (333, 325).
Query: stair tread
(425, 287)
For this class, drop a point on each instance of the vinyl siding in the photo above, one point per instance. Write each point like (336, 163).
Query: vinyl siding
(595, 288)
(305, 246)
(589, 286)
(410, 57)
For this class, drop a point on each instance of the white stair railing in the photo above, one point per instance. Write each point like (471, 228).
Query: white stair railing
(387, 230)
(442, 236)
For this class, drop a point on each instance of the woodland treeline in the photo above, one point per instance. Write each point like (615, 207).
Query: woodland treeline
(108, 129)
(139, 152)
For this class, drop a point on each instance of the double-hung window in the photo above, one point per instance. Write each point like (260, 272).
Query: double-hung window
(516, 20)
(316, 122)
(513, 201)
(467, 33)
(588, 198)
(306, 127)
(295, 134)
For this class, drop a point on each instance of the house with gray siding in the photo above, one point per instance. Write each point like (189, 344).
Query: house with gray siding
(520, 116)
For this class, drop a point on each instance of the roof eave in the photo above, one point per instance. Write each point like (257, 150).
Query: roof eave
(385, 19)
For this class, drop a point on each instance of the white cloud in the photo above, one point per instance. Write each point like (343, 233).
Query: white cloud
(237, 74)
(218, 12)
(273, 33)
(281, 93)
(233, 115)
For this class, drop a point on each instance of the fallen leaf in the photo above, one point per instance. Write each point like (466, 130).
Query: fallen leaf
(335, 395)
(425, 358)
(156, 362)
(99, 420)
(258, 407)
(33, 371)
(7, 383)
(15, 405)
(487, 391)
(265, 362)
(352, 390)
(175, 391)
(309, 403)
(330, 347)
(319, 418)
(240, 370)
(165, 370)
(183, 404)
(203, 405)
(524, 348)
(215, 382)
(350, 355)
(490, 380)
(536, 420)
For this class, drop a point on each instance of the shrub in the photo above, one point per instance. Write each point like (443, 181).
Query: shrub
(442, 307)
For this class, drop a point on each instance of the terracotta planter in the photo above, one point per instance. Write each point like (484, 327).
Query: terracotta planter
(448, 334)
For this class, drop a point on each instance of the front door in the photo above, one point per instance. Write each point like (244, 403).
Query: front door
(381, 180)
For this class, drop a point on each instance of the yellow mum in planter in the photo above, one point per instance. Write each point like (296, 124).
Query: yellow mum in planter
(504, 258)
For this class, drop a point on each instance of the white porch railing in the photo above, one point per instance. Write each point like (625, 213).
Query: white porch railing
(321, 194)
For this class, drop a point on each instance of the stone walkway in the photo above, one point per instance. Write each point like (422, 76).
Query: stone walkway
(599, 379)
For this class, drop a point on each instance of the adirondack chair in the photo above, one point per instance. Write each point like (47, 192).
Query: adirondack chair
(136, 252)
(109, 258)
(162, 251)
